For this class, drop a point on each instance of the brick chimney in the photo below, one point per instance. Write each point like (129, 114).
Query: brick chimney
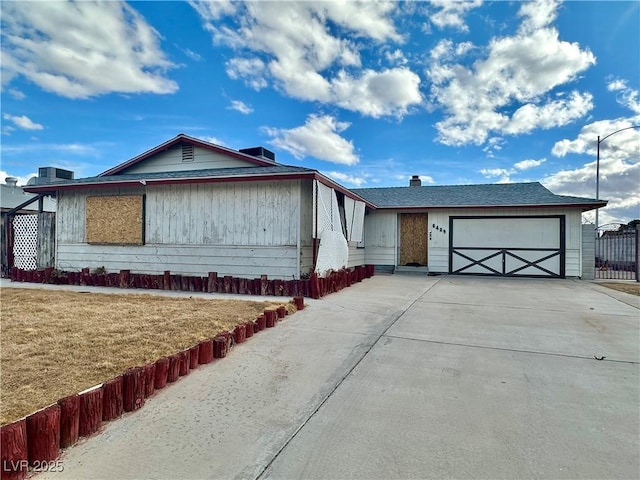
(415, 181)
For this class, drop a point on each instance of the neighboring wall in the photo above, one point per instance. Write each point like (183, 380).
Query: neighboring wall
(439, 244)
(243, 229)
(171, 161)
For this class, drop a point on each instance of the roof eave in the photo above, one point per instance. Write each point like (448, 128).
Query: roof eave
(584, 206)
(170, 181)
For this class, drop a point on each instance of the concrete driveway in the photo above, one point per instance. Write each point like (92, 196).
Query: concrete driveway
(403, 377)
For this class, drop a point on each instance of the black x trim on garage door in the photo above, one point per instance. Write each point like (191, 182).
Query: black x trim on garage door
(505, 260)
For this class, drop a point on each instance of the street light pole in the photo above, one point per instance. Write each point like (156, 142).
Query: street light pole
(600, 140)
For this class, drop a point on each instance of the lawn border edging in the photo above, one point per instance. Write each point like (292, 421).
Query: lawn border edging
(43, 435)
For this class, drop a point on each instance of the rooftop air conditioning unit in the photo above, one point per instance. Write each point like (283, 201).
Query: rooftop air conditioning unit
(259, 152)
(53, 174)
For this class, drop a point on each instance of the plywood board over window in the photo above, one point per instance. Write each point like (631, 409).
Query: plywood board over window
(115, 220)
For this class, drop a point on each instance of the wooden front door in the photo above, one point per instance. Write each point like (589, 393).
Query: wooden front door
(413, 238)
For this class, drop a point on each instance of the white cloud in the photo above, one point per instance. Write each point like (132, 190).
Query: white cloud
(192, 55)
(552, 114)
(311, 51)
(505, 174)
(240, 106)
(389, 92)
(396, 57)
(318, 137)
(538, 14)
(214, 140)
(427, 179)
(252, 70)
(83, 49)
(517, 71)
(527, 164)
(347, 179)
(616, 85)
(66, 148)
(17, 94)
(628, 97)
(22, 122)
(451, 13)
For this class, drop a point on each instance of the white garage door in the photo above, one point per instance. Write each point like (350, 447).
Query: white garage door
(532, 246)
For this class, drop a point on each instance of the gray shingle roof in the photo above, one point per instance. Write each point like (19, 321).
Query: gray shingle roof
(187, 174)
(485, 195)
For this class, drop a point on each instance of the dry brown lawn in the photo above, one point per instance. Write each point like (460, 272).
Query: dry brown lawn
(57, 343)
(632, 288)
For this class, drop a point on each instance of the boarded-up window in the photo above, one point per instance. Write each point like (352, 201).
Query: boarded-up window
(115, 220)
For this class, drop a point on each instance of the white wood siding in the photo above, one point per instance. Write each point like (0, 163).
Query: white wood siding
(380, 238)
(356, 255)
(439, 241)
(244, 229)
(306, 226)
(244, 213)
(242, 261)
(171, 161)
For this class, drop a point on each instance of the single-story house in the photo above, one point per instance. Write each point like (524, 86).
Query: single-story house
(193, 207)
(496, 229)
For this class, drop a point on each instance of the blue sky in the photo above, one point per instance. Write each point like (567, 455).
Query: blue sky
(367, 93)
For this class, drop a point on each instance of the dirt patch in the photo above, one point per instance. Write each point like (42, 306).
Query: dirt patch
(56, 343)
(632, 288)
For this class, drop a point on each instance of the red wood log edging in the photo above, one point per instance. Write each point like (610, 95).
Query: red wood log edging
(206, 351)
(194, 354)
(162, 369)
(133, 389)
(112, 399)
(261, 321)
(239, 333)
(220, 347)
(14, 454)
(281, 311)
(43, 435)
(174, 368)
(299, 301)
(229, 338)
(149, 373)
(248, 331)
(256, 329)
(270, 316)
(90, 412)
(69, 420)
(185, 361)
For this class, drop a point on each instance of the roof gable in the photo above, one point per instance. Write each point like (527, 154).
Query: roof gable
(183, 153)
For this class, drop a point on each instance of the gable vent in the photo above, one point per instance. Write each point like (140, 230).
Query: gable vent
(187, 153)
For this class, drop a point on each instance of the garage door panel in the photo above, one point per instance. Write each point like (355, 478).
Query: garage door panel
(507, 246)
(514, 232)
(541, 264)
(478, 261)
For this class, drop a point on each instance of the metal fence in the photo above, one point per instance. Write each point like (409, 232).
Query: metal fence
(617, 253)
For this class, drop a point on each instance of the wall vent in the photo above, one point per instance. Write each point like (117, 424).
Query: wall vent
(187, 153)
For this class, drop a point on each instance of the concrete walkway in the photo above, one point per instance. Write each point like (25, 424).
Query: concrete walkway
(403, 377)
